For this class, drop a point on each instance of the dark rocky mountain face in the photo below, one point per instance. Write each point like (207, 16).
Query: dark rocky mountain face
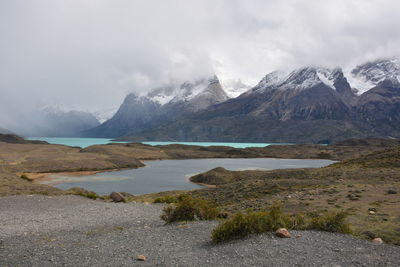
(378, 109)
(307, 105)
(161, 105)
(135, 112)
(301, 95)
(310, 104)
(317, 102)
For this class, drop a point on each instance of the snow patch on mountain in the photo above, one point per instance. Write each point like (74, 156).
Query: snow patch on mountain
(327, 77)
(161, 98)
(273, 79)
(368, 75)
(55, 109)
(360, 84)
(298, 79)
(184, 92)
(105, 114)
(187, 91)
(361, 79)
(234, 88)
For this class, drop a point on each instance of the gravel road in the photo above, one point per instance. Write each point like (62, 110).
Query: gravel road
(75, 231)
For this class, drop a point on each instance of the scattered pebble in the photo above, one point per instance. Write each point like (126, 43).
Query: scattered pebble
(282, 232)
(377, 240)
(65, 220)
(141, 257)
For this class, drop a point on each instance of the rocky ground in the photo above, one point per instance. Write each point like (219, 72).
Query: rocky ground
(75, 231)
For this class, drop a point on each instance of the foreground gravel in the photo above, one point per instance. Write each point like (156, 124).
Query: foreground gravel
(74, 231)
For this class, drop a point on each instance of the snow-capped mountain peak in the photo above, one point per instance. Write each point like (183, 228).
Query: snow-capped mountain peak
(370, 74)
(309, 76)
(55, 109)
(298, 79)
(234, 88)
(184, 92)
(273, 79)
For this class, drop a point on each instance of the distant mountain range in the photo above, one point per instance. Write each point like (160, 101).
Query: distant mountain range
(5, 131)
(309, 104)
(70, 123)
(55, 121)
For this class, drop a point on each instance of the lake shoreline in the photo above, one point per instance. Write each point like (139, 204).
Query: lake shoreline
(38, 177)
(43, 160)
(86, 142)
(163, 175)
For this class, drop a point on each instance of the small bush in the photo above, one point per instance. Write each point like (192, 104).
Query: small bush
(166, 199)
(91, 195)
(23, 176)
(241, 225)
(188, 208)
(82, 192)
(331, 222)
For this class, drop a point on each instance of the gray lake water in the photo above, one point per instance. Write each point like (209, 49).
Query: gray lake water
(164, 175)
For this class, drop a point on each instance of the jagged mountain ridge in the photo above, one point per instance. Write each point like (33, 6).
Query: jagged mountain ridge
(309, 104)
(378, 109)
(370, 74)
(161, 105)
(299, 100)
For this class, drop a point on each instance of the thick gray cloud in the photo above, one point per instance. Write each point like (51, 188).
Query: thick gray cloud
(89, 54)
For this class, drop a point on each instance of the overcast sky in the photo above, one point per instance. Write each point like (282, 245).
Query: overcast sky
(89, 54)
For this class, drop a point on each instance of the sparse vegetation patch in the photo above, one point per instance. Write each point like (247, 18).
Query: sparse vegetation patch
(243, 224)
(188, 208)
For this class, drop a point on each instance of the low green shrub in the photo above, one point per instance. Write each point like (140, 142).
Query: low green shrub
(188, 208)
(91, 195)
(241, 225)
(331, 222)
(166, 199)
(82, 192)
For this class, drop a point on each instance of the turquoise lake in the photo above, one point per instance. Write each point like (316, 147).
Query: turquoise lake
(165, 175)
(85, 142)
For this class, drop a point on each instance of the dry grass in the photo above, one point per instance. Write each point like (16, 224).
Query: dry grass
(357, 187)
